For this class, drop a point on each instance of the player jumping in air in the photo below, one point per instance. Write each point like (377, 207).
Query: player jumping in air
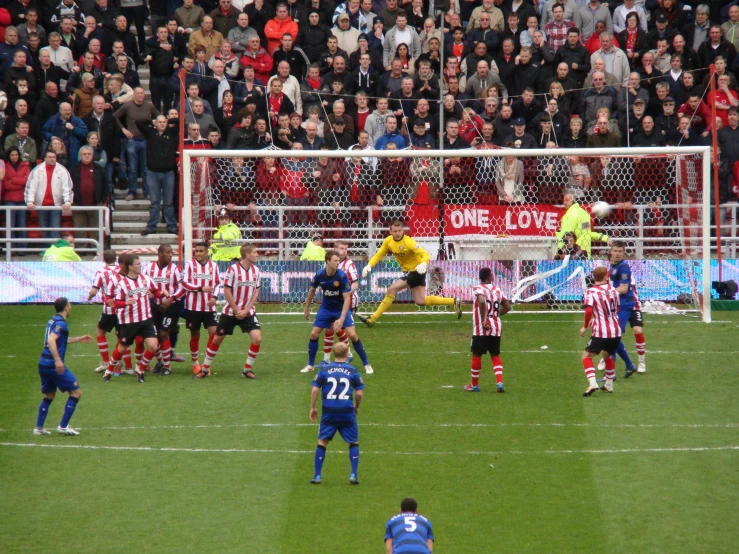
(241, 289)
(409, 531)
(347, 266)
(630, 311)
(489, 305)
(54, 374)
(338, 383)
(576, 220)
(601, 313)
(334, 312)
(413, 260)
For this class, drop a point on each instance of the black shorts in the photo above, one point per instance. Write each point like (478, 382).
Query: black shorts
(597, 345)
(414, 279)
(636, 319)
(108, 322)
(227, 323)
(482, 344)
(167, 319)
(129, 331)
(193, 319)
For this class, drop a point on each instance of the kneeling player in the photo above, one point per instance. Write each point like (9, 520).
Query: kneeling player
(601, 313)
(489, 305)
(241, 289)
(337, 382)
(334, 311)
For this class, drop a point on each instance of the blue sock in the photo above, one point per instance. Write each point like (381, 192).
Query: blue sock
(312, 351)
(354, 457)
(318, 461)
(43, 411)
(359, 349)
(173, 339)
(69, 410)
(623, 353)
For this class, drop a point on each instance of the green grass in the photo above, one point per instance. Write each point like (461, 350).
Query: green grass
(537, 469)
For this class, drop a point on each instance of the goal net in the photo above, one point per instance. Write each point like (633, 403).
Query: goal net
(500, 208)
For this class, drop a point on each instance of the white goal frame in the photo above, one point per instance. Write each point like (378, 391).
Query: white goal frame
(703, 151)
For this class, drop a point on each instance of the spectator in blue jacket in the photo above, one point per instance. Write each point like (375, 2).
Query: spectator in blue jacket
(70, 129)
(391, 135)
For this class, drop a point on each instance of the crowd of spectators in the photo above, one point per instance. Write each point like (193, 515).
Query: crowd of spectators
(353, 75)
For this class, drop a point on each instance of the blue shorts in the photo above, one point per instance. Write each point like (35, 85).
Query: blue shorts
(632, 317)
(348, 432)
(325, 318)
(51, 380)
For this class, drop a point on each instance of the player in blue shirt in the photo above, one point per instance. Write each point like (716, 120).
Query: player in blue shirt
(408, 532)
(337, 382)
(334, 312)
(54, 374)
(629, 310)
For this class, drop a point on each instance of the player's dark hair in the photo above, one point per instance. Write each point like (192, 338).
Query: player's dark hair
(126, 260)
(397, 223)
(163, 248)
(600, 273)
(109, 256)
(408, 505)
(485, 274)
(203, 244)
(330, 254)
(60, 304)
(618, 244)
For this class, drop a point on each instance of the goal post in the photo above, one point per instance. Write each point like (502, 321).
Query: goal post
(491, 206)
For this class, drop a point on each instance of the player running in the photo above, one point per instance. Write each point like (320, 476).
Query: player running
(200, 279)
(338, 382)
(490, 303)
(166, 310)
(130, 298)
(409, 531)
(629, 312)
(241, 289)
(108, 320)
(347, 266)
(54, 373)
(334, 311)
(601, 313)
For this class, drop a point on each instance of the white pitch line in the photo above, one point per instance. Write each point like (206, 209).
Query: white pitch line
(376, 452)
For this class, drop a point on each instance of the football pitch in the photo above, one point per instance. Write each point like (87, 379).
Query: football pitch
(223, 464)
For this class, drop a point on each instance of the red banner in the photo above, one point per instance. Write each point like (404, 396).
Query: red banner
(533, 220)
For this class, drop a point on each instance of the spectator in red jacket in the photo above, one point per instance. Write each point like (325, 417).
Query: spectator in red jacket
(275, 28)
(257, 57)
(14, 185)
(700, 113)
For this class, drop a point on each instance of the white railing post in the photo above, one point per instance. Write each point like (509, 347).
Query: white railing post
(187, 223)
(706, 237)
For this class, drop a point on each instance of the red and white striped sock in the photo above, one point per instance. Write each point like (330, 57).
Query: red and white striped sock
(610, 369)
(194, 349)
(103, 348)
(146, 360)
(165, 349)
(139, 351)
(210, 354)
(475, 367)
(127, 358)
(115, 361)
(641, 346)
(159, 353)
(251, 356)
(343, 337)
(498, 369)
(328, 344)
(589, 369)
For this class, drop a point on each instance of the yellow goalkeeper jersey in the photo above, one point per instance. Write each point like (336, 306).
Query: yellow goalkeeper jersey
(406, 252)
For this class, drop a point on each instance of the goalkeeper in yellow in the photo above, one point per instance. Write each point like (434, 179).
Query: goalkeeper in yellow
(413, 260)
(226, 245)
(577, 220)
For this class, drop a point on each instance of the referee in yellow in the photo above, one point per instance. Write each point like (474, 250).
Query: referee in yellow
(577, 220)
(413, 260)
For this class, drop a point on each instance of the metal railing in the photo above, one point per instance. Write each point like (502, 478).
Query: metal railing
(96, 242)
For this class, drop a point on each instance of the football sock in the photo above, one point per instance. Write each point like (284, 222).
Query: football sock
(439, 301)
(139, 351)
(641, 347)
(359, 349)
(173, 338)
(384, 305)
(589, 369)
(194, 349)
(43, 411)
(251, 356)
(610, 369)
(318, 460)
(354, 457)
(146, 360)
(328, 344)
(166, 351)
(159, 353)
(312, 351)
(69, 410)
(498, 369)
(475, 370)
(103, 348)
(624, 354)
(127, 358)
(210, 353)
(115, 360)
(343, 337)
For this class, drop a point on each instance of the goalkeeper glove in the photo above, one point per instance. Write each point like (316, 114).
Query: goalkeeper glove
(366, 270)
(421, 268)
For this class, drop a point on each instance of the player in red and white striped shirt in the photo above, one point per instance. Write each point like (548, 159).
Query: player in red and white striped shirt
(201, 279)
(601, 313)
(348, 267)
(131, 300)
(166, 311)
(241, 289)
(489, 304)
(108, 320)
